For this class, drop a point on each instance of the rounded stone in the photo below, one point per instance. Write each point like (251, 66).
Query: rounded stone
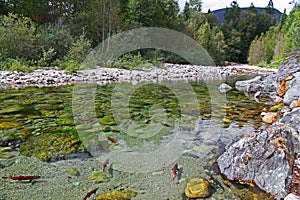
(73, 171)
(99, 177)
(197, 188)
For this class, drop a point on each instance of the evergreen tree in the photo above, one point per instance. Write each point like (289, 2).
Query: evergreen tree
(150, 13)
(270, 10)
(187, 12)
(196, 5)
(233, 14)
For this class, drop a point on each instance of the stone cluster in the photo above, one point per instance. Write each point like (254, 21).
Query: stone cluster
(270, 158)
(55, 77)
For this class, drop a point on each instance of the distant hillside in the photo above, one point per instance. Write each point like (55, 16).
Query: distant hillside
(220, 13)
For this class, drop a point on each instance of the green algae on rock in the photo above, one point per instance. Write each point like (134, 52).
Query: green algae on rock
(99, 177)
(117, 194)
(72, 171)
(107, 120)
(197, 188)
(12, 109)
(6, 156)
(276, 107)
(46, 146)
(9, 125)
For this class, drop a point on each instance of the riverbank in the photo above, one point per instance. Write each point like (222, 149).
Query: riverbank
(270, 159)
(102, 76)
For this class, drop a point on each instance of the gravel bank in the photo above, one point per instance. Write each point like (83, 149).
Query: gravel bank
(101, 76)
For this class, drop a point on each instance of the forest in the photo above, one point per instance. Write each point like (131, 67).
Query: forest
(44, 33)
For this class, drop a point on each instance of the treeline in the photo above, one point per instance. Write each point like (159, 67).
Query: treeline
(278, 42)
(61, 32)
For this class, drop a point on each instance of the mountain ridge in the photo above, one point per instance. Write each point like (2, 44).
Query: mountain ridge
(221, 12)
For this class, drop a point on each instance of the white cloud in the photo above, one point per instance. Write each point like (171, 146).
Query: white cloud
(218, 4)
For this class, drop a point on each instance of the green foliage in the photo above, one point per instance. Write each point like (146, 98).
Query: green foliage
(291, 28)
(60, 40)
(16, 65)
(69, 65)
(22, 39)
(213, 41)
(46, 58)
(79, 50)
(150, 13)
(131, 61)
(278, 41)
(18, 37)
(98, 20)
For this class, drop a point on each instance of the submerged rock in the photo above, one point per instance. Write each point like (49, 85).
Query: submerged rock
(99, 177)
(197, 188)
(72, 171)
(117, 194)
(224, 88)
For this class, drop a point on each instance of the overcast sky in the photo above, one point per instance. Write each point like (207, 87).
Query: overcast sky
(217, 4)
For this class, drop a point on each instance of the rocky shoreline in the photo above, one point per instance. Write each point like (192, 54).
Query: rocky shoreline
(56, 77)
(270, 158)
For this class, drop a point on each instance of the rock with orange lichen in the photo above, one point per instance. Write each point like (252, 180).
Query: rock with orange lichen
(117, 195)
(284, 86)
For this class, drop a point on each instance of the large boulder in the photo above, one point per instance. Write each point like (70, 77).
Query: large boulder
(271, 158)
(264, 159)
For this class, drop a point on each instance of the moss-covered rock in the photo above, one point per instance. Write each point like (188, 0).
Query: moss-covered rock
(72, 171)
(276, 107)
(12, 109)
(46, 146)
(99, 177)
(107, 120)
(6, 156)
(117, 194)
(8, 135)
(9, 125)
(197, 188)
(65, 119)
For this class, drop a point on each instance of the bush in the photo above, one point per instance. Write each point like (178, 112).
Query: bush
(69, 65)
(18, 37)
(60, 40)
(46, 58)
(12, 64)
(79, 50)
(131, 61)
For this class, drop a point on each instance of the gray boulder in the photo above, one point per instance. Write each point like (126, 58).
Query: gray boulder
(293, 92)
(258, 159)
(223, 88)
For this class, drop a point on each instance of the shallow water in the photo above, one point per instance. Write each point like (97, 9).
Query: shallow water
(142, 129)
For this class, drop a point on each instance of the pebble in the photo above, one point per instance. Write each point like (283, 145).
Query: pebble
(56, 77)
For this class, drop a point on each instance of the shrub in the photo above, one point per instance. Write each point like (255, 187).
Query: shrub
(60, 40)
(18, 37)
(79, 50)
(69, 65)
(46, 58)
(16, 65)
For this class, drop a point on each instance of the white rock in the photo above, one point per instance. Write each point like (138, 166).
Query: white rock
(224, 88)
(292, 197)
